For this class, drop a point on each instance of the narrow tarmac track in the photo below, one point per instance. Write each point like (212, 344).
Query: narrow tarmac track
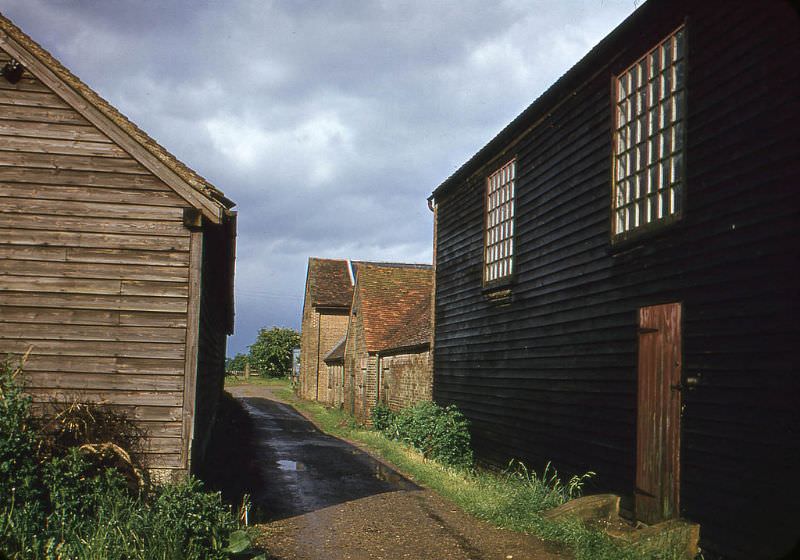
(321, 498)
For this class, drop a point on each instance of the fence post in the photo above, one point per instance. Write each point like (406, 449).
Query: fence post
(247, 370)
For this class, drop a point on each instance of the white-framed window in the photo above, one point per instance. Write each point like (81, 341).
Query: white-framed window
(649, 128)
(498, 259)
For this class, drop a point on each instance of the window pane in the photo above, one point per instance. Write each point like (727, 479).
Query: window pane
(648, 139)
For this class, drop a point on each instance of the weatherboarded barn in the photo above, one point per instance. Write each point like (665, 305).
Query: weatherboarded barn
(388, 298)
(616, 274)
(326, 306)
(116, 260)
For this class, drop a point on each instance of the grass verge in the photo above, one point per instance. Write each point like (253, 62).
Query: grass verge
(510, 500)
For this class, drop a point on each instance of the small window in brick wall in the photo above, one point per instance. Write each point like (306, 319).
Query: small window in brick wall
(499, 233)
(649, 128)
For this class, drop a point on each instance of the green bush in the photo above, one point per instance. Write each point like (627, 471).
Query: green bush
(381, 417)
(67, 505)
(439, 433)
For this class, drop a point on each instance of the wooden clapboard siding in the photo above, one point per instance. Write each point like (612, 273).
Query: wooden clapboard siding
(122, 272)
(94, 268)
(61, 331)
(103, 381)
(104, 364)
(82, 178)
(84, 194)
(551, 374)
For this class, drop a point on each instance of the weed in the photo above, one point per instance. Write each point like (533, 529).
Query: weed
(58, 501)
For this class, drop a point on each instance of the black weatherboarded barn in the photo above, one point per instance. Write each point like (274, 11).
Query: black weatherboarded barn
(616, 285)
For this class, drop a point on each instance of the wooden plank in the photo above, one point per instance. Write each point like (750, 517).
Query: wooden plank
(59, 316)
(48, 254)
(78, 163)
(165, 461)
(44, 331)
(59, 146)
(31, 99)
(58, 285)
(66, 177)
(51, 130)
(97, 270)
(126, 256)
(76, 208)
(164, 445)
(143, 412)
(84, 255)
(47, 284)
(42, 115)
(93, 301)
(162, 429)
(143, 319)
(14, 236)
(168, 351)
(150, 288)
(149, 398)
(91, 194)
(92, 240)
(192, 338)
(102, 381)
(104, 365)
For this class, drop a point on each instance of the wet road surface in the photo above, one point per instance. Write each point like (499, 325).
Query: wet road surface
(304, 470)
(320, 498)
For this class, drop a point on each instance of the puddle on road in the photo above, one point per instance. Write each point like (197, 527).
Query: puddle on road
(286, 465)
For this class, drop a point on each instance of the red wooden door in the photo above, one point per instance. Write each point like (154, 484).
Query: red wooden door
(659, 410)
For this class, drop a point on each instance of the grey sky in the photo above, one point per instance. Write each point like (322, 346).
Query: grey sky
(329, 123)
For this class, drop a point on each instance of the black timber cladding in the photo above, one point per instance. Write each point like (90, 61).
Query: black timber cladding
(552, 374)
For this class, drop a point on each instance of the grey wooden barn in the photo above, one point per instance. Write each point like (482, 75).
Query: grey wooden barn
(116, 260)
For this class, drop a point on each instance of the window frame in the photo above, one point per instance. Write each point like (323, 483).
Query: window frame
(669, 219)
(507, 279)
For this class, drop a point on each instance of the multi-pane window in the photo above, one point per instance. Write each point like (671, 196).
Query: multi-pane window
(649, 116)
(499, 244)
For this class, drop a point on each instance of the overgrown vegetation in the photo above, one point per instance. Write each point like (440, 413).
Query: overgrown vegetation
(269, 355)
(439, 433)
(513, 499)
(60, 499)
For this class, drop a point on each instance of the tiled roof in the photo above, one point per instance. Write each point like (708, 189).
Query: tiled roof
(197, 182)
(337, 354)
(329, 283)
(394, 304)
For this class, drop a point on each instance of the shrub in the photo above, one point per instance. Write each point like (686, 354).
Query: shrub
(439, 433)
(200, 519)
(59, 501)
(381, 417)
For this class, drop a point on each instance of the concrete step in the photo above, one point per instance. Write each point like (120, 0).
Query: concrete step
(601, 511)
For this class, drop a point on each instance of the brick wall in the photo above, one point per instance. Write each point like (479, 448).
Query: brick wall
(406, 379)
(308, 350)
(332, 327)
(320, 333)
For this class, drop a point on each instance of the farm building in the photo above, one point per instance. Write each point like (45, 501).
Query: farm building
(116, 260)
(326, 307)
(389, 327)
(616, 274)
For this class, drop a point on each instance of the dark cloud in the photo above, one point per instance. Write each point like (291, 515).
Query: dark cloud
(329, 123)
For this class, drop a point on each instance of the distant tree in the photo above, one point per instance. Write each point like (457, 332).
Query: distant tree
(236, 363)
(271, 353)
